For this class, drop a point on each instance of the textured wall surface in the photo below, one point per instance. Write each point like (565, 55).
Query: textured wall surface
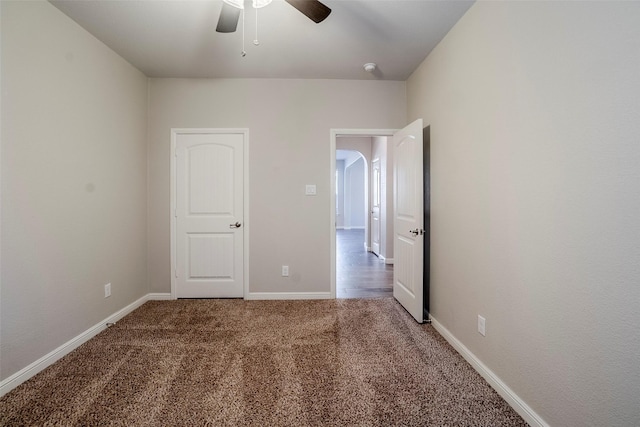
(73, 182)
(289, 124)
(535, 125)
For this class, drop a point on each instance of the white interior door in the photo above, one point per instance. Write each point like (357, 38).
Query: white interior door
(375, 207)
(209, 208)
(408, 219)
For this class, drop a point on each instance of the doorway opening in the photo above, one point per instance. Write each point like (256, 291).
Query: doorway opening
(361, 214)
(360, 270)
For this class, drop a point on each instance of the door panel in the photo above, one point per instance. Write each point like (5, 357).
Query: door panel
(210, 256)
(404, 278)
(209, 204)
(408, 219)
(208, 164)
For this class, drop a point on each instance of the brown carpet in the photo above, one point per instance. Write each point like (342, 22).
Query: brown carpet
(262, 363)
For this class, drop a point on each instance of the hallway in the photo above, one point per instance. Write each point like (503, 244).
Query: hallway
(360, 274)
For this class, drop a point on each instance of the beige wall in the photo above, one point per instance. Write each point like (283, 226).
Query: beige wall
(289, 123)
(73, 182)
(535, 118)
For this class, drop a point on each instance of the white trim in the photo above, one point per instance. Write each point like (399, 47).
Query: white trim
(1, 199)
(333, 136)
(245, 208)
(159, 296)
(524, 410)
(333, 220)
(388, 261)
(245, 191)
(288, 295)
(24, 374)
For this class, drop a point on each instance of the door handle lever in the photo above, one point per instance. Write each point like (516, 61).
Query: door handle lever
(236, 225)
(417, 231)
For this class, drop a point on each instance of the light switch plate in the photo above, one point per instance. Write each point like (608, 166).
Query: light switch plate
(310, 190)
(481, 325)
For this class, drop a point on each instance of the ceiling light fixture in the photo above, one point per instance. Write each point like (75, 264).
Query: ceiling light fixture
(235, 3)
(257, 4)
(232, 9)
(370, 67)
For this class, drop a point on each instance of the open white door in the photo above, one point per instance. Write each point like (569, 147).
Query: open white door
(408, 219)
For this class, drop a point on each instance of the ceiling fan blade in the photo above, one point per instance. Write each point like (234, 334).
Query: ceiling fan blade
(228, 21)
(313, 9)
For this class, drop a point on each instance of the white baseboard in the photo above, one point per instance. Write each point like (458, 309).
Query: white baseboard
(24, 374)
(388, 261)
(524, 410)
(159, 296)
(287, 295)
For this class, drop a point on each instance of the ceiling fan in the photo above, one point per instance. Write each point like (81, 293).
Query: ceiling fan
(230, 13)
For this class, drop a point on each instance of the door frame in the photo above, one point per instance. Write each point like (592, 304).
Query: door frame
(245, 195)
(375, 185)
(334, 134)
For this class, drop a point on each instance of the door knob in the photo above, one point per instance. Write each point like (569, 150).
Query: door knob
(236, 225)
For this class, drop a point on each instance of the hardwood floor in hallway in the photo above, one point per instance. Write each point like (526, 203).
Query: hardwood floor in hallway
(360, 274)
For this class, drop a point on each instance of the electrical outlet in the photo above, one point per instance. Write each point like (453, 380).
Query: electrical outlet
(107, 290)
(285, 271)
(481, 325)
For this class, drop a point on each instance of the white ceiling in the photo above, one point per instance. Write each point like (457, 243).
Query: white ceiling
(178, 38)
